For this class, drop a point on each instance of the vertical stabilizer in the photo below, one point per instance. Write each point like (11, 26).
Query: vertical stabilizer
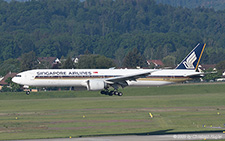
(191, 61)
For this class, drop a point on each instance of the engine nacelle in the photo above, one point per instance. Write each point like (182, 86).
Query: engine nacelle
(95, 85)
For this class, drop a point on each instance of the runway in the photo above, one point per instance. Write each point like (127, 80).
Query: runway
(170, 137)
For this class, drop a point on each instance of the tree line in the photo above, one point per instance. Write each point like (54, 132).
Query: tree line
(215, 4)
(112, 28)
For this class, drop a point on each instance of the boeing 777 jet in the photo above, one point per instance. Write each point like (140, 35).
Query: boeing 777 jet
(103, 79)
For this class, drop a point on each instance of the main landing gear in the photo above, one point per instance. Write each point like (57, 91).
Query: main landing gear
(111, 93)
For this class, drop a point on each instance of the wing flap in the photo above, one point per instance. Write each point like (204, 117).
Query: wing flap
(124, 78)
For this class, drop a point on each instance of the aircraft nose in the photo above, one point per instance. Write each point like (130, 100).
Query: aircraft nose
(16, 80)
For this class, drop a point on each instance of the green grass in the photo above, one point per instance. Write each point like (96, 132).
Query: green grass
(176, 109)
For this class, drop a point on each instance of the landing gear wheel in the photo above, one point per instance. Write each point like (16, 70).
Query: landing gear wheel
(120, 94)
(27, 92)
(116, 92)
(103, 92)
(111, 93)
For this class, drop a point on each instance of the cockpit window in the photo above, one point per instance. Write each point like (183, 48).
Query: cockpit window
(18, 75)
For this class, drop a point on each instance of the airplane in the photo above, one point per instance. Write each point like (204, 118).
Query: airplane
(103, 79)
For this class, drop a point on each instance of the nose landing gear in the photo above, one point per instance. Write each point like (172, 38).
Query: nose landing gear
(27, 92)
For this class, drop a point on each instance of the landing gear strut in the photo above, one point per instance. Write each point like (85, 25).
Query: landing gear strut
(111, 93)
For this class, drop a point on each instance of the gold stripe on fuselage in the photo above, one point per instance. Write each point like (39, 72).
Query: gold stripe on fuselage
(149, 78)
(165, 79)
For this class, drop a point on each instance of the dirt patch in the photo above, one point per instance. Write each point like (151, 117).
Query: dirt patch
(100, 121)
(180, 109)
(97, 127)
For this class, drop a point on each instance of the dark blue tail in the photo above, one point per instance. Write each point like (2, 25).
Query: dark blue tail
(191, 61)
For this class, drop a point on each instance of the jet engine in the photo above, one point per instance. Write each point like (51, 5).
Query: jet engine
(95, 85)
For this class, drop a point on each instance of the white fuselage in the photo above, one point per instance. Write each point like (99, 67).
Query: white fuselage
(79, 77)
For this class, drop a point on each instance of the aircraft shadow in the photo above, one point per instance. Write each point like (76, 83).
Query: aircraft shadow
(160, 132)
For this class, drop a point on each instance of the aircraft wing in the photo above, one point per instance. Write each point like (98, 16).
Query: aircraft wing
(121, 80)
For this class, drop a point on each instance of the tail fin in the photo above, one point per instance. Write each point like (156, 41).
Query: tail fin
(191, 61)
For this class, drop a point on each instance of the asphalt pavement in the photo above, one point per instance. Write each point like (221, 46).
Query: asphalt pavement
(167, 137)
